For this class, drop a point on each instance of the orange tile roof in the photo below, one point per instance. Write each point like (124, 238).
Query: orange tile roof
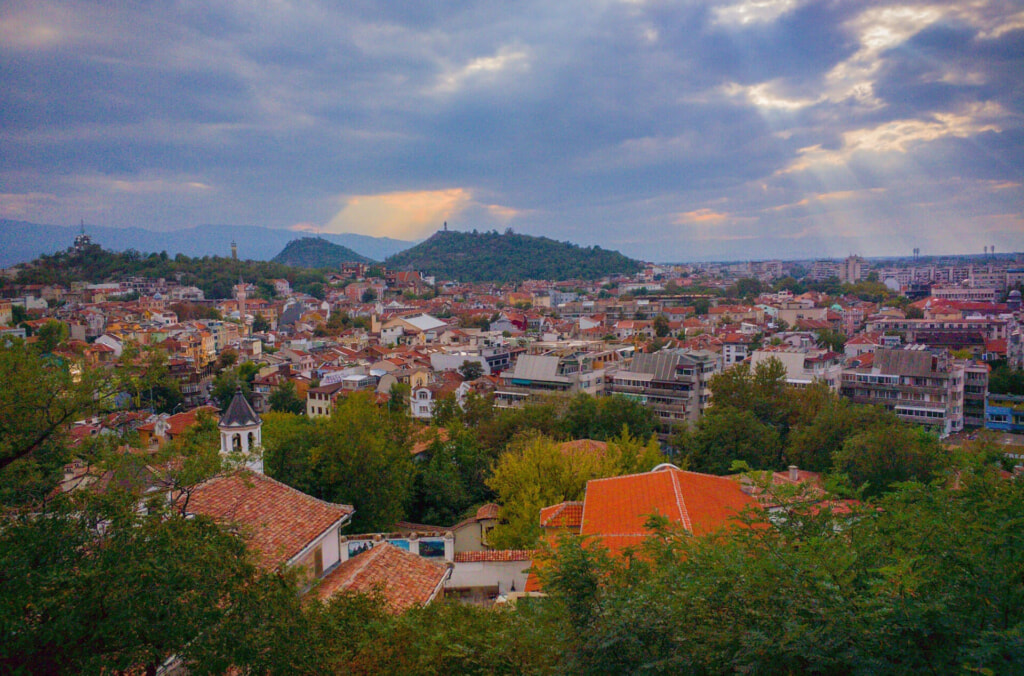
(277, 521)
(179, 422)
(616, 509)
(583, 446)
(488, 511)
(495, 555)
(404, 579)
(562, 515)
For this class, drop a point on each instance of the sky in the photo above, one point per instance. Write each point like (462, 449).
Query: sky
(670, 131)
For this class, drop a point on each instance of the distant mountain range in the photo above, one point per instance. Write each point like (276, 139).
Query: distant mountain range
(316, 252)
(21, 242)
(489, 256)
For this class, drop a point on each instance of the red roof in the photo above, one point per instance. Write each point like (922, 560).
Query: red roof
(488, 511)
(562, 515)
(277, 521)
(583, 446)
(495, 555)
(616, 509)
(179, 422)
(996, 345)
(404, 579)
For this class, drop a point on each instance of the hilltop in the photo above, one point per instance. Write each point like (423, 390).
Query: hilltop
(490, 256)
(316, 252)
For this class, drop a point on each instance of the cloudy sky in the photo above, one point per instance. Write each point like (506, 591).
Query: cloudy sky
(668, 130)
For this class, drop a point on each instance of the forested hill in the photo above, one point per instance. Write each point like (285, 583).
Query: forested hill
(214, 275)
(316, 252)
(489, 256)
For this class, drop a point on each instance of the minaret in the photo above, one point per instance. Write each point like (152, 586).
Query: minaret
(240, 298)
(240, 432)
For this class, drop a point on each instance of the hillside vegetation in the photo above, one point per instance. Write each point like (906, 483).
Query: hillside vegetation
(489, 256)
(213, 274)
(316, 252)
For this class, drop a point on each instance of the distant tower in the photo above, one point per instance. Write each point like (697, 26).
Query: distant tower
(446, 226)
(241, 432)
(82, 241)
(234, 251)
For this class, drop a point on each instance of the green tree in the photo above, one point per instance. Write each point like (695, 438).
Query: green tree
(260, 324)
(361, 457)
(533, 473)
(18, 314)
(74, 601)
(41, 395)
(661, 328)
(813, 445)
(229, 380)
(761, 390)
(833, 340)
(879, 457)
(727, 434)
(288, 440)
(368, 296)
(748, 287)
(283, 398)
(471, 370)
(51, 335)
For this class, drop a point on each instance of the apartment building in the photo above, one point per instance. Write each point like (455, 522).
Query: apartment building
(539, 374)
(919, 385)
(673, 383)
(804, 365)
(918, 330)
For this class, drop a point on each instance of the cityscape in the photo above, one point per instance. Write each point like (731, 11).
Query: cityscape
(585, 338)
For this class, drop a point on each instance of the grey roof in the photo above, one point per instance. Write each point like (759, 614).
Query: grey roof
(662, 364)
(537, 367)
(239, 413)
(904, 362)
(291, 314)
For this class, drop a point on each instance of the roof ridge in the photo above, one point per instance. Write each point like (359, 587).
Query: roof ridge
(291, 488)
(373, 554)
(684, 515)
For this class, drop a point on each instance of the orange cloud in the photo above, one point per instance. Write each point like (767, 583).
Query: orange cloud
(700, 216)
(403, 215)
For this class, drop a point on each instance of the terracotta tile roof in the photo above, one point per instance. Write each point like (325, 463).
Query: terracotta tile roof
(277, 521)
(404, 579)
(488, 511)
(179, 422)
(498, 555)
(427, 436)
(583, 446)
(616, 509)
(562, 515)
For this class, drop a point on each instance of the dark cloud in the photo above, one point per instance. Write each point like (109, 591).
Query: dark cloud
(600, 122)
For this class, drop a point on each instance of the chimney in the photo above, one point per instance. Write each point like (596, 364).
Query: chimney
(794, 473)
